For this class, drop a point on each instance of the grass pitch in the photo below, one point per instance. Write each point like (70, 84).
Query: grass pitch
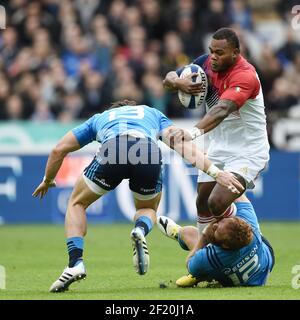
(35, 255)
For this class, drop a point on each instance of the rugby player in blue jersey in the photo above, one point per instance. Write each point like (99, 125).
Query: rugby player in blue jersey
(128, 134)
(231, 250)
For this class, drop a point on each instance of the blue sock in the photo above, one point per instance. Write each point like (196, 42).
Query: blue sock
(75, 250)
(182, 243)
(144, 223)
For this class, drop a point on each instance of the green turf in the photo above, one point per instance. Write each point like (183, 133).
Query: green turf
(34, 256)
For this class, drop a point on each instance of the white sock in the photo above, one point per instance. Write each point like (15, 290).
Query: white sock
(229, 212)
(203, 222)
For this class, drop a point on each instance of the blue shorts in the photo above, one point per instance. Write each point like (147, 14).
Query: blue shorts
(127, 157)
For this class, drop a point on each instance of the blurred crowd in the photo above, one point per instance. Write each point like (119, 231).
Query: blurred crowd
(64, 60)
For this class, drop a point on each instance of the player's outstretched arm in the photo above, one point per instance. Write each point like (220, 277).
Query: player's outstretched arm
(202, 242)
(190, 152)
(67, 144)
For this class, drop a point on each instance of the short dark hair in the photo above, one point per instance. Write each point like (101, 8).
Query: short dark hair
(122, 103)
(229, 35)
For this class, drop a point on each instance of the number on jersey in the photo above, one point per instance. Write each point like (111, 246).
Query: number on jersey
(134, 112)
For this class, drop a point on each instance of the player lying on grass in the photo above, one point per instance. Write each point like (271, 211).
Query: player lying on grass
(128, 135)
(231, 250)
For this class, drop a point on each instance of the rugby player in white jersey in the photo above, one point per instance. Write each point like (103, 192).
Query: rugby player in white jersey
(235, 122)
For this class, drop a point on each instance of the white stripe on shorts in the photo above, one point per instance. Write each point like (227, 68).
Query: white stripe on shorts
(94, 187)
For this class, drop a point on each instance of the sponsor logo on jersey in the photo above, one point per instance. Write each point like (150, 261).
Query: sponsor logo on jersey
(244, 170)
(241, 262)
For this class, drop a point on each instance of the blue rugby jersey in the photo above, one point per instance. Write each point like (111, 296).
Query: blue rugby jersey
(123, 120)
(248, 266)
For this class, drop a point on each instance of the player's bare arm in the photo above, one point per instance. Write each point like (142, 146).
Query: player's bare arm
(216, 115)
(173, 83)
(201, 243)
(67, 144)
(190, 152)
(212, 119)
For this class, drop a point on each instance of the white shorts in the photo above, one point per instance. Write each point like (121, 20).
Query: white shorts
(247, 167)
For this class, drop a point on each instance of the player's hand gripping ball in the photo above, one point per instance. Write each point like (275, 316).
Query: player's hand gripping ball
(191, 101)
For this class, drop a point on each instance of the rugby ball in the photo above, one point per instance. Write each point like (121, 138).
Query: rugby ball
(193, 101)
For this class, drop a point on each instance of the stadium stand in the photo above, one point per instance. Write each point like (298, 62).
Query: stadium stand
(65, 60)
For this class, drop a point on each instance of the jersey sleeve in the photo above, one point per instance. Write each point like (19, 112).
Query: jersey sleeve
(241, 87)
(246, 212)
(164, 121)
(86, 132)
(199, 61)
(203, 263)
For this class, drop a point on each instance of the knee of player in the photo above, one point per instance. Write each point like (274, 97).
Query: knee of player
(73, 203)
(188, 237)
(215, 205)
